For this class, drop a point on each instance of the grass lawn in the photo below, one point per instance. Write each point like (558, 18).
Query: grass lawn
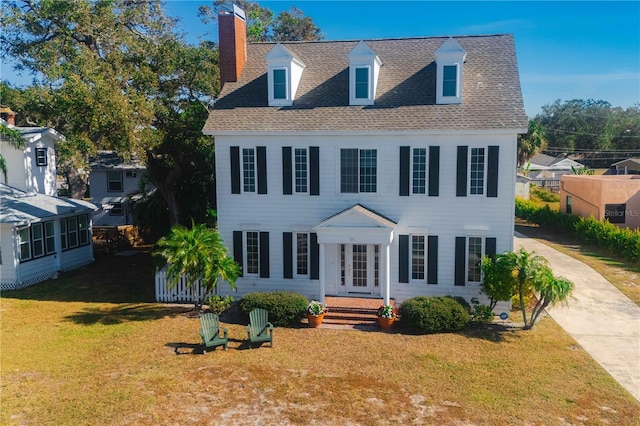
(90, 348)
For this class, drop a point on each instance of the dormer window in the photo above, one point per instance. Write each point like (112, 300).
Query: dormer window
(283, 76)
(364, 67)
(449, 80)
(280, 84)
(450, 58)
(362, 83)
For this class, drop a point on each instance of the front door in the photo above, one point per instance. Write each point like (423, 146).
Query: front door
(359, 267)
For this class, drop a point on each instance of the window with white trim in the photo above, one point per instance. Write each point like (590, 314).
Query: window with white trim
(252, 253)
(358, 170)
(477, 171)
(418, 251)
(114, 181)
(41, 156)
(450, 80)
(72, 232)
(63, 234)
(301, 170)
(24, 242)
(49, 238)
(248, 170)
(280, 83)
(83, 230)
(362, 82)
(37, 240)
(475, 252)
(302, 254)
(419, 170)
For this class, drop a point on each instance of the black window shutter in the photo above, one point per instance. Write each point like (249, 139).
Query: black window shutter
(492, 171)
(261, 154)
(434, 171)
(237, 249)
(432, 260)
(405, 168)
(461, 171)
(287, 176)
(314, 249)
(287, 254)
(403, 263)
(235, 169)
(490, 247)
(461, 265)
(264, 254)
(314, 170)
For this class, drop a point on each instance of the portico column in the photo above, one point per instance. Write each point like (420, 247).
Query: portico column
(387, 274)
(321, 274)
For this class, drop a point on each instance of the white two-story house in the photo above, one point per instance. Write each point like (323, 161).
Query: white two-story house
(41, 234)
(380, 167)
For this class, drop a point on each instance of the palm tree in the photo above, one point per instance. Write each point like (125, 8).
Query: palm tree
(197, 254)
(531, 143)
(527, 269)
(15, 139)
(551, 291)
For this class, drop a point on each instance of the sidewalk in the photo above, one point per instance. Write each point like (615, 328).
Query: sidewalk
(599, 317)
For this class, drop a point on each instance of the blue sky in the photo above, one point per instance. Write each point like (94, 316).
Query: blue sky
(566, 50)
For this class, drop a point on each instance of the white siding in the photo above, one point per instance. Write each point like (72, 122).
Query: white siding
(445, 216)
(22, 172)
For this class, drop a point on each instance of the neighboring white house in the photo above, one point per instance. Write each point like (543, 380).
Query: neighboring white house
(40, 234)
(112, 181)
(543, 166)
(378, 167)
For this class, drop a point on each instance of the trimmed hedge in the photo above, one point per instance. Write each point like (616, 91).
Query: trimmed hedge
(284, 307)
(619, 241)
(424, 314)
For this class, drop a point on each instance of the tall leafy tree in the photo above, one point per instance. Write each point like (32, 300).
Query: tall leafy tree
(118, 76)
(197, 254)
(263, 25)
(14, 138)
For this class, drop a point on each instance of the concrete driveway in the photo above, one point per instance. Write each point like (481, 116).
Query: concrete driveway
(599, 317)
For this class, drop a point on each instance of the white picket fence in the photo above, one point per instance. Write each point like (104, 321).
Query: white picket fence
(179, 293)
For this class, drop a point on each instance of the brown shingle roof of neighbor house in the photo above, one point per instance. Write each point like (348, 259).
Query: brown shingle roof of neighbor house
(405, 97)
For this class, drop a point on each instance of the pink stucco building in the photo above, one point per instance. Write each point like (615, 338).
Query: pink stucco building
(616, 198)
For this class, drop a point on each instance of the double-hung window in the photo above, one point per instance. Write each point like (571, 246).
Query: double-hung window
(24, 241)
(41, 156)
(419, 170)
(301, 170)
(114, 181)
(302, 254)
(474, 259)
(49, 237)
(252, 253)
(37, 240)
(418, 257)
(72, 231)
(248, 170)
(116, 209)
(358, 170)
(477, 172)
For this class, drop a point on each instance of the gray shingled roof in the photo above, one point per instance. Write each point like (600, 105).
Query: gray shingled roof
(405, 98)
(110, 160)
(21, 208)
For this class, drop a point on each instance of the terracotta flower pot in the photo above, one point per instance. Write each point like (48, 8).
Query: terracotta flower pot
(386, 323)
(315, 320)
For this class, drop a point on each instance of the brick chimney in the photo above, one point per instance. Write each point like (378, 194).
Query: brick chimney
(232, 38)
(7, 115)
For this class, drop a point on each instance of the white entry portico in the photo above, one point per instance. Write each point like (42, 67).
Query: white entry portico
(362, 240)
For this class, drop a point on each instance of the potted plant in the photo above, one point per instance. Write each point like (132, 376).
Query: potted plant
(387, 315)
(315, 313)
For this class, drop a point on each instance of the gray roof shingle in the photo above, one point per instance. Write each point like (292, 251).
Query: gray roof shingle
(405, 98)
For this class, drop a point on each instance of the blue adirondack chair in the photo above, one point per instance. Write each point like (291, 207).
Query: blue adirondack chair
(210, 332)
(259, 328)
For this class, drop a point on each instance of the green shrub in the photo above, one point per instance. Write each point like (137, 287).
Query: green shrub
(284, 307)
(424, 314)
(543, 194)
(218, 304)
(482, 314)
